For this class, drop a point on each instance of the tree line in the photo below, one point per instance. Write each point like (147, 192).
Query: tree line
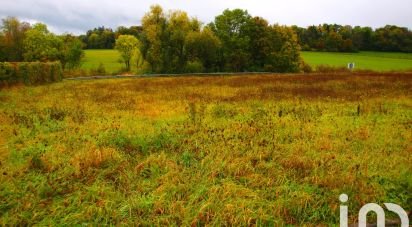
(105, 38)
(173, 42)
(339, 38)
(20, 41)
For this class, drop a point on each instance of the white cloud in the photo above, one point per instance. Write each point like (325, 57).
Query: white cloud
(80, 15)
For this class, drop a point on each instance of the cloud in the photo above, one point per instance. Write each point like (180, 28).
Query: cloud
(77, 16)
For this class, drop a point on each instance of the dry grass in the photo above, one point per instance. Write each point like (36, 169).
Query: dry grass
(241, 150)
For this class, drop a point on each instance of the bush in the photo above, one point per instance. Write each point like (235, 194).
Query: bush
(306, 68)
(194, 67)
(99, 71)
(30, 73)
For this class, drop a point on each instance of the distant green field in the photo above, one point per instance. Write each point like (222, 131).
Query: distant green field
(109, 58)
(378, 61)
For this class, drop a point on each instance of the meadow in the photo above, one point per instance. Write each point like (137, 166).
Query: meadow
(242, 150)
(376, 61)
(109, 59)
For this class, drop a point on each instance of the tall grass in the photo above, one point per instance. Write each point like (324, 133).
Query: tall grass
(249, 150)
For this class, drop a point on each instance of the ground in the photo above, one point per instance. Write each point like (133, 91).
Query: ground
(240, 150)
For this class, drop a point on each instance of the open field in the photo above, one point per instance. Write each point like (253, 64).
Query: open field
(242, 150)
(109, 58)
(377, 61)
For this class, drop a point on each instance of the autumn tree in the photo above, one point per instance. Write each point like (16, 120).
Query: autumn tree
(154, 31)
(127, 46)
(13, 34)
(179, 26)
(285, 53)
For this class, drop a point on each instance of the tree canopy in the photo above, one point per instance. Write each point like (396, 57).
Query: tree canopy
(173, 42)
(19, 41)
(127, 46)
(339, 38)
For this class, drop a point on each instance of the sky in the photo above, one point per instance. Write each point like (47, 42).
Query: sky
(78, 16)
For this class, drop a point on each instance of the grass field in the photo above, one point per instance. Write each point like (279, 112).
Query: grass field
(377, 61)
(109, 58)
(242, 150)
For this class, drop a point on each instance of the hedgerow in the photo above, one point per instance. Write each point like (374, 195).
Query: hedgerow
(30, 73)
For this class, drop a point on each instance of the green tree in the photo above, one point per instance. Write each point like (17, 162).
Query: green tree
(179, 25)
(127, 45)
(251, 44)
(285, 53)
(99, 38)
(136, 31)
(71, 52)
(164, 39)
(154, 33)
(233, 29)
(41, 45)
(261, 45)
(203, 47)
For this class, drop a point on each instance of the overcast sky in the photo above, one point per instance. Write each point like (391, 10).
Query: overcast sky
(77, 16)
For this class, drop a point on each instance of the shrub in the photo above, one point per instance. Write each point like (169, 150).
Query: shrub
(99, 71)
(306, 68)
(331, 69)
(30, 73)
(71, 73)
(7, 72)
(194, 67)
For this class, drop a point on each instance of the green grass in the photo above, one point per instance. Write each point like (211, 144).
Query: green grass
(109, 58)
(269, 150)
(376, 61)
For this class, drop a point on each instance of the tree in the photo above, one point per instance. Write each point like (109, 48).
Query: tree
(136, 31)
(393, 38)
(203, 47)
(12, 39)
(251, 44)
(285, 52)
(41, 45)
(3, 52)
(127, 45)
(362, 38)
(164, 39)
(154, 27)
(261, 45)
(99, 38)
(232, 28)
(71, 52)
(179, 25)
